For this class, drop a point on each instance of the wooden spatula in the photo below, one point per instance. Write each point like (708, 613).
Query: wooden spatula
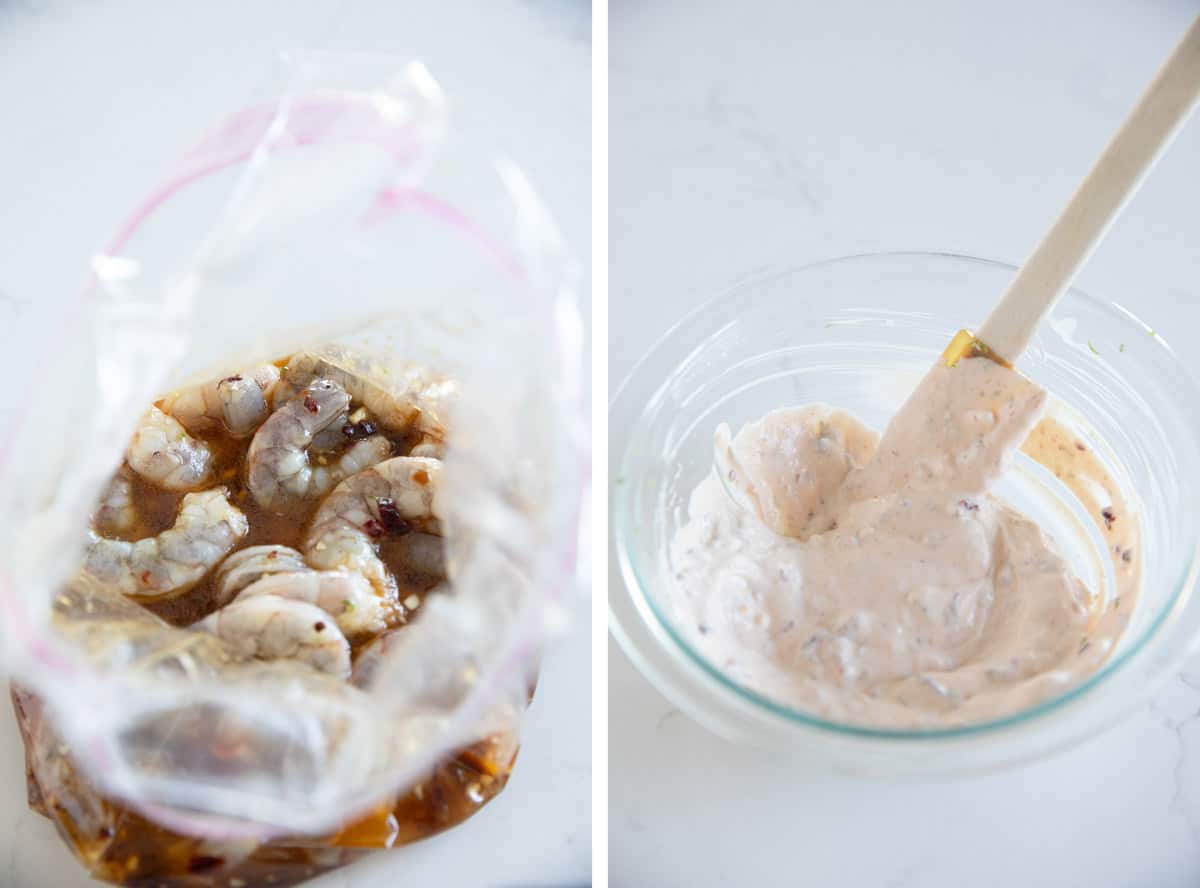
(1100, 198)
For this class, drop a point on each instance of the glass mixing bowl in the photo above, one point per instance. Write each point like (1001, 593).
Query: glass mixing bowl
(858, 333)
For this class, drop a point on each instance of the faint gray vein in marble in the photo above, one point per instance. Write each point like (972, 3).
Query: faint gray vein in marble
(1177, 726)
(743, 122)
(908, 875)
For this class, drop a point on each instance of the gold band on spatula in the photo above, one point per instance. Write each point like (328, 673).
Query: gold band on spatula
(966, 345)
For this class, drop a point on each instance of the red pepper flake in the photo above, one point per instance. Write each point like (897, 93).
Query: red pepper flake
(1079, 445)
(1109, 517)
(309, 404)
(393, 520)
(145, 577)
(373, 528)
(421, 477)
(968, 505)
(202, 863)
(319, 627)
(231, 379)
(356, 431)
(272, 555)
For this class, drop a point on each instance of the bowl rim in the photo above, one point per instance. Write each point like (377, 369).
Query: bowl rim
(644, 603)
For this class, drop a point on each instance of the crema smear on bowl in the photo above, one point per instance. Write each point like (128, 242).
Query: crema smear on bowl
(878, 581)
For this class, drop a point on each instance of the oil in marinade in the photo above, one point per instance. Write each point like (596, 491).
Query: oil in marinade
(119, 845)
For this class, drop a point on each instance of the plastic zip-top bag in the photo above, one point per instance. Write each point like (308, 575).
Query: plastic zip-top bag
(343, 237)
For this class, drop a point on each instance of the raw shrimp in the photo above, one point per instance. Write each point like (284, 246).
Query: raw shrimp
(423, 554)
(394, 497)
(353, 427)
(280, 472)
(248, 566)
(207, 527)
(347, 597)
(366, 664)
(239, 403)
(442, 680)
(164, 453)
(398, 411)
(430, 449)
(117, 514)
(332, 438)
(274, 628)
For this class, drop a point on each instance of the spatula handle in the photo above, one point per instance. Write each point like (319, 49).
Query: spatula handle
(1155, 119)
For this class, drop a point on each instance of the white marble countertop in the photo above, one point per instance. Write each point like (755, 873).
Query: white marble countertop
(97, 98)
(747, 137)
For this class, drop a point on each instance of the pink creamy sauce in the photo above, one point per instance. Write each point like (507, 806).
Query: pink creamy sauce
(877, 582)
